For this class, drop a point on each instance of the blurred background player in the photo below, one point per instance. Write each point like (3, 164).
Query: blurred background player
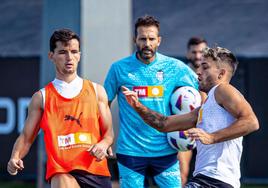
(76, 120)
(195, 47)
(140, 148)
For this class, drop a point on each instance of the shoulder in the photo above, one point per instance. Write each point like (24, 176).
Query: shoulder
(174, 62)
(100, 91)
(162, 57)
(226, 89)
(226, 93)
(37, 99)
(123, 61)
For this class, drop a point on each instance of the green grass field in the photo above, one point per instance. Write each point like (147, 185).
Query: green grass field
(17, 184)
(20, 184)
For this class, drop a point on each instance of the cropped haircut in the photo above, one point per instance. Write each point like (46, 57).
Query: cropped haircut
(195, 41)
(222, 55)
(64, 36)
(147, 21)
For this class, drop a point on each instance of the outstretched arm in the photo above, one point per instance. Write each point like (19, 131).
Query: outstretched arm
(101, 149)
(158, 121)
(232, 101)
(28, 135)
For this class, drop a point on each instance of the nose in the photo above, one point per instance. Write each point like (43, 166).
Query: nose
(198, 71)
(68, 55)
(198, 55)
(147, 42)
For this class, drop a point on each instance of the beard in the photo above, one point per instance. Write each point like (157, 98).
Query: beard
(195, 62)
(146, 53)
(68, 71)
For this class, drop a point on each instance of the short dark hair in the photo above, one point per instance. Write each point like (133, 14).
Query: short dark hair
(147, 21)
(64, 36)
(195, 41)
(220, 54)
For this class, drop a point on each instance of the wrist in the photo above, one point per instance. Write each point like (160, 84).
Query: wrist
(107, 141)
(213, 138)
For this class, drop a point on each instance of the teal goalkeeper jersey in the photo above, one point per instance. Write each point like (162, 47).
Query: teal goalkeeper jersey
(154, 84)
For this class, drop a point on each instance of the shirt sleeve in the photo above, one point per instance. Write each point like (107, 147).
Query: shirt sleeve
(111, 84)
(187, 77)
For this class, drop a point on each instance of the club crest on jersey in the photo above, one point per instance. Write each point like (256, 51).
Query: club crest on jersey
(149, 91)
(160, 75)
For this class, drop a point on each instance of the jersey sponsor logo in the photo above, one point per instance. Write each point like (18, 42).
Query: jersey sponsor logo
(73, 139)
(149, 91)
(131, 76)
(72, 118)
(175, 173)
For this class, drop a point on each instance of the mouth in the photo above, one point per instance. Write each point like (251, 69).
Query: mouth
(147, 51)
(69, 65)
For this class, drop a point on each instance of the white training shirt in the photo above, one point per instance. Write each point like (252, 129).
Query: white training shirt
(221, 160)
(67, 90)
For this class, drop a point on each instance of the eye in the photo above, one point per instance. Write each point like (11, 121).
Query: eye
(62, 52)
(205, 67)
(142, 39)
(75, 51)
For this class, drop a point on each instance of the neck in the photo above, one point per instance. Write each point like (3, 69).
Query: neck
(66, 78)
(145, 61)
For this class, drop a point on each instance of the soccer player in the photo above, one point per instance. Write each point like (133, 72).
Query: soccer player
(153, 76)
(195, 46)
(76, 120)
(217, 127)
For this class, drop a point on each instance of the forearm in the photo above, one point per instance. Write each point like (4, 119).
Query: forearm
(108, 137)
(20, 148)
(152, 118)
(239, 128)
(166, 123)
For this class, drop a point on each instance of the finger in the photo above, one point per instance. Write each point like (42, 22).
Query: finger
(124, 88)
(101, 156)
(97, 152)
(11, 170)
(20, 164)
(13, 173)
(110, 152)
(13, 165)
(90, 148)
(129, 93)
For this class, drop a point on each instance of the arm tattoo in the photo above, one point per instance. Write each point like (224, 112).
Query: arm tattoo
(150, 117)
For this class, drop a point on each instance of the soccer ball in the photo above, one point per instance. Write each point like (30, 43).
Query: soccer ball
(179, 141)
(183, 100)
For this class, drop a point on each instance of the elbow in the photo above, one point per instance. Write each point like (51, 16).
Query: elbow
(255, 125)
(163, 127)
(159, 125)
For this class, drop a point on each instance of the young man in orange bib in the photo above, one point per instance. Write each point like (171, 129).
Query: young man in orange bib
(75, 118)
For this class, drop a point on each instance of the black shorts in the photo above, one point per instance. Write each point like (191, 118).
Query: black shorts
(87, 180)
(202, 181)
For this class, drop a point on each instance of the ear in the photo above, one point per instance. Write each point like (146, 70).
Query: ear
(188, 55)
(221, 74)
(134, 39)
(50, 55)
(159, 41)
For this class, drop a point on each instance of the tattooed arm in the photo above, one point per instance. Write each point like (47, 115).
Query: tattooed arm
(158, 121)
